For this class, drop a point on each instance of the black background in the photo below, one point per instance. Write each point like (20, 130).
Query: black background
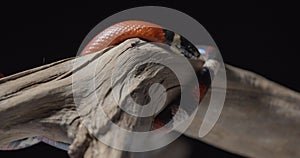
(260, 37)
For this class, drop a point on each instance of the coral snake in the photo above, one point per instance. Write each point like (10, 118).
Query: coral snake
(119, 32)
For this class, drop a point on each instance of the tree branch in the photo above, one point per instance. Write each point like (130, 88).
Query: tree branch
(259, 118)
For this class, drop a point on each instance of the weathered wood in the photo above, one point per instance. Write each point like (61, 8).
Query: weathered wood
(259, 118)
(41, 101)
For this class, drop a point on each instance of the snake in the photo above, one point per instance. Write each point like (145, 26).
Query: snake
(151, 32)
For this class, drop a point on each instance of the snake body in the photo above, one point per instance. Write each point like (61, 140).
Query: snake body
(119, 32)
(114, 35)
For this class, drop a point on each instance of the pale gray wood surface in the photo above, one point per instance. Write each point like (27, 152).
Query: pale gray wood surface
(259, 118)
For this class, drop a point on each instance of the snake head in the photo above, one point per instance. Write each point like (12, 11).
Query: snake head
(184, 46)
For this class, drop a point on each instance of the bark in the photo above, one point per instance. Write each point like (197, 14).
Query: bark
(259, 118)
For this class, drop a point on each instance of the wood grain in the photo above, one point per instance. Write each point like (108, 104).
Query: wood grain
(259, 119)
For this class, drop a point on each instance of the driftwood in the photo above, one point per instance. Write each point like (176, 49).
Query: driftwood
(259, 119)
